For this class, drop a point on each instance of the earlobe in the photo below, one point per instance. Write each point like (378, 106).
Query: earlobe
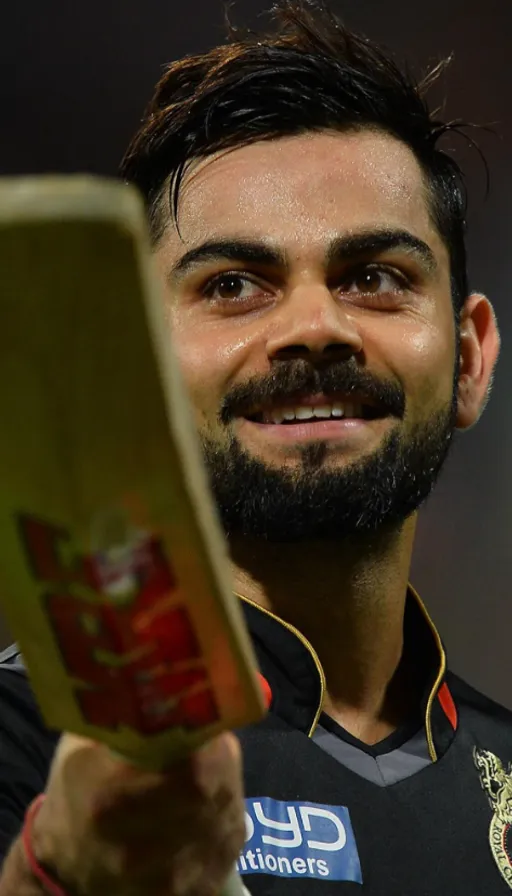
(479, 350)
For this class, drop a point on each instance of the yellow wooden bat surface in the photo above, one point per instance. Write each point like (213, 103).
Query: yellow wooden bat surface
(113, 568)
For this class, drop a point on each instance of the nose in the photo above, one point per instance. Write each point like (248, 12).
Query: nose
(313, 324)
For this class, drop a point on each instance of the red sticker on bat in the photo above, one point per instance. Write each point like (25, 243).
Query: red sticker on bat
(131, 647)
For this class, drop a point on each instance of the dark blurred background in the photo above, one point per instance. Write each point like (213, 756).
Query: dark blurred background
(74, 81)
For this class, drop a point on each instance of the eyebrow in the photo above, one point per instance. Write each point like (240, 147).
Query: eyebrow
(350, 247)
(244, 251)
(375, 242)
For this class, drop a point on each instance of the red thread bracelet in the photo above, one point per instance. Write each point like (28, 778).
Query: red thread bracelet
(50, 886)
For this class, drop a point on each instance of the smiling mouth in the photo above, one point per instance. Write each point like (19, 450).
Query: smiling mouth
(314, 409)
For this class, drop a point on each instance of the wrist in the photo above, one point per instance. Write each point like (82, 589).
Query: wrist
(36, 846)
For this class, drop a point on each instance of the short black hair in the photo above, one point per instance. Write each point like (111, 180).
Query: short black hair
(309, 72)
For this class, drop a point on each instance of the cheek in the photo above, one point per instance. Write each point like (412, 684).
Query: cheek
(201, 370)
(429, 356)
(419, 354)
(210, 359)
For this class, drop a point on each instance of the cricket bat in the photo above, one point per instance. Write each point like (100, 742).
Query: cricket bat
(114, 574)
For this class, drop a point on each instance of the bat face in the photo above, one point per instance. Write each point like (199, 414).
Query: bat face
(113, 571)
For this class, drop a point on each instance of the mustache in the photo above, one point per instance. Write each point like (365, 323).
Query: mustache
(293, 379)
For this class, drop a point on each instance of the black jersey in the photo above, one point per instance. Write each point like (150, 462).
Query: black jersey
(427, 812)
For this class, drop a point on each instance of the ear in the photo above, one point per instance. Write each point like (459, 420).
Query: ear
(479, 350)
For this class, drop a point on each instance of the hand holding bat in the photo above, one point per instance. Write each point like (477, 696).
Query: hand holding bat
(109, 828)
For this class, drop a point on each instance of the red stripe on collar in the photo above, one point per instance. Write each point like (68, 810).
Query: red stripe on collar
(446, 700)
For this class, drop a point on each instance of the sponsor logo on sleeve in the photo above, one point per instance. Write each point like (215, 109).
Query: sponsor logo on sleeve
(299, 839)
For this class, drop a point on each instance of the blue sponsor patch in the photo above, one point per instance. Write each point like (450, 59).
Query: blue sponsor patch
(292, 839)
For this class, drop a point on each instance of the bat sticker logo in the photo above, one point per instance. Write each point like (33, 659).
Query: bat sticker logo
(123, 629)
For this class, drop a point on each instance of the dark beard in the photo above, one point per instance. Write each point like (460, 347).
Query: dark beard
(373, 494)
(377, 492)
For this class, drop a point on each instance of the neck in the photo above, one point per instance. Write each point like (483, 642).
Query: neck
(348, 600)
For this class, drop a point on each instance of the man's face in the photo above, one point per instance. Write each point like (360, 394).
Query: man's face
(309, 299)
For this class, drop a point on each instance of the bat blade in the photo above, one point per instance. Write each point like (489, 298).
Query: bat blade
(114, 573)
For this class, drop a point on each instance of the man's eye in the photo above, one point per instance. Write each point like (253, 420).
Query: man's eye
(231, 288)
(373, 281)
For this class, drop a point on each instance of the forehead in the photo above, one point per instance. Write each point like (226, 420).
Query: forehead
(305, 189)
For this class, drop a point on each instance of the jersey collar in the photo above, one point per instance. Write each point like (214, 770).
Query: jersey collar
(297, 680)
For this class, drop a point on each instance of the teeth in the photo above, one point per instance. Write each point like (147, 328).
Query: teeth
(322, 411)
(304, 413)
(348, 410)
